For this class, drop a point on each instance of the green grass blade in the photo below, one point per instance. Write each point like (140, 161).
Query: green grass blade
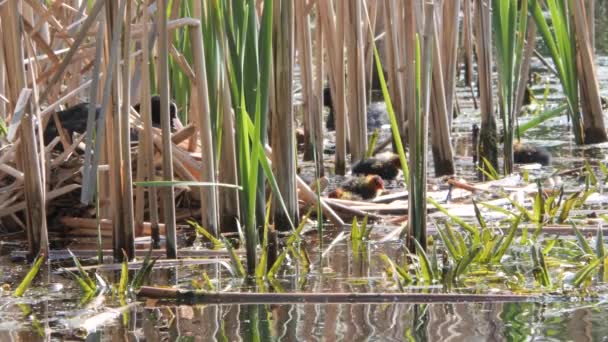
(29, 277)
(465, 262)
(392, 117)
(568, 205)
(124, 275)
(144, 271)
(580, 238)
(425, 265)
(82, 272)
(217, 243)
(469, 228)
(586, 272)
(498, 209)
(237, 266)
(454, 253)
(371, 146)
(599, 243)
(507, 240)
(262, 265)
(480, 219)
(541, 272)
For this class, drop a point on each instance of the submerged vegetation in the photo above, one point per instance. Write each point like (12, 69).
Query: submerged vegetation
(196, 194)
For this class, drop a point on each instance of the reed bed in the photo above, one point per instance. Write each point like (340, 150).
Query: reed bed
(233, 68)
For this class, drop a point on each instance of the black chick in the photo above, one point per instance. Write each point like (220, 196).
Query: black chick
(366, 187)
(386, 167)
(155, 111)
(528, 154)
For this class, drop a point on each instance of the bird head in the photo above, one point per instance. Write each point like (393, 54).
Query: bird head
(376, 182)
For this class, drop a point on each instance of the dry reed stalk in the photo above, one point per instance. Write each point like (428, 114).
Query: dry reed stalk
(87, 24)
(127, 220)
(483, 35)
(334, 40)
(351, 209)
(305, 62)
(74, 70)
(310, 197)
(3, 79)
(183, 134)
(408, 94)
(147, 157)
(79, 222)
(449, 46)
(34, 179)
(113, 138)
(182, 63)
(46, 17)
(28, 156)
(87, 191)
(467, 42)
(370, 33)
(67, 152)
(228, 199)
(591, 23)
(357, 103)
(7, 169)
(185, 166)
(167, 194)
(141, 32)
(395, 60)
(209, 207)
(49, 196)
(15, 76)
(593, 119)
(321, 298)
(171, 25)
(282, 124)
(46, 48)
(443, 156)
(317, 107)
(524, 69)
(140, 199)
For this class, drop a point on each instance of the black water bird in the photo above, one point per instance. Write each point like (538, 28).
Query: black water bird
(74, 119)
(377, 114)
(529, 154)
(386, 166)
(365, 187)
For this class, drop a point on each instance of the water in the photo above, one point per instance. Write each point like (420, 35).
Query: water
(394, 322)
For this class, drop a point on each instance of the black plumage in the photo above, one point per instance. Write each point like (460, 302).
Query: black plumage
(74, 119)
(386, 167)
(528, 154)
(366, 187)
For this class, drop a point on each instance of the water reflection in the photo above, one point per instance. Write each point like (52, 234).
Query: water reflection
(371, 322)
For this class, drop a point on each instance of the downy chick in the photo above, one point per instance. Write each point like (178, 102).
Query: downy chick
(367, 187)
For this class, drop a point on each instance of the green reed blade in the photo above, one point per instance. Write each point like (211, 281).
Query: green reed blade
(29, 277)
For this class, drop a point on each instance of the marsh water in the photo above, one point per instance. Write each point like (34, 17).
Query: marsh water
(53, 309)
